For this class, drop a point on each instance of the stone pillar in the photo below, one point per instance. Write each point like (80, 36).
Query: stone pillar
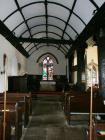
(100, 40)
(81, 81)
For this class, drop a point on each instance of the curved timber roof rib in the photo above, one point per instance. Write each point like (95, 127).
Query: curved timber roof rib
(53, 45)
(32, 24)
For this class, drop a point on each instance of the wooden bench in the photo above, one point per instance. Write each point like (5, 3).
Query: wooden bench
(1, 126)
(80, 105)
(7, 129)
(98, 131)
(28, 95)
(72, 94)
(13, 119)
(23, 103)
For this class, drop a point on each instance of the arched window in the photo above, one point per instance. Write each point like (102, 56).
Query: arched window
(47, 69)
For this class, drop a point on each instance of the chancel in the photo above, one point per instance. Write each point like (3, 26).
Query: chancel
(52, 70)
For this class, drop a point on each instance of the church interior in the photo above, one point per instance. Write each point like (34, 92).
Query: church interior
(52, 69)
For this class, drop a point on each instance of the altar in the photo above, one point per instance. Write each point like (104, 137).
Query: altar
(47, 85)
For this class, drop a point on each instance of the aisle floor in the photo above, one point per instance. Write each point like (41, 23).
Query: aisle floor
(48, 122)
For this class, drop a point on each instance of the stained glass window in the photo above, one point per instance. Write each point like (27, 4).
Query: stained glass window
(47, 69)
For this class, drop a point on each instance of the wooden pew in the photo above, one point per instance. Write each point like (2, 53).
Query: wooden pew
(13, 119)
(72, 94)
(1, 126)
(23, 103)
(75, 93)
(97, 131)
(28, 95)
(78, 105)
(7, 129)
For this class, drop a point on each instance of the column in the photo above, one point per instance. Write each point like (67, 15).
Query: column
(81, 81)
(100, 40)
(70, 64)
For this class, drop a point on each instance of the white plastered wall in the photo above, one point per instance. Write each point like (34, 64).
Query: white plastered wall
(13, 58)
(92, 54)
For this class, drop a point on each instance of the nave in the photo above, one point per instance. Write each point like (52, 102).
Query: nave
(48, 121)
(56, 44)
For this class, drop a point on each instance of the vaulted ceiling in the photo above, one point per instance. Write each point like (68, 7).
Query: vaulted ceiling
(32, 24)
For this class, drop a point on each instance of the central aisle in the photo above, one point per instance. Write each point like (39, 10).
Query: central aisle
(48, 121)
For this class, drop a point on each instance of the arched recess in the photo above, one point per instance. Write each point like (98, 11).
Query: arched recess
(49, 54)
